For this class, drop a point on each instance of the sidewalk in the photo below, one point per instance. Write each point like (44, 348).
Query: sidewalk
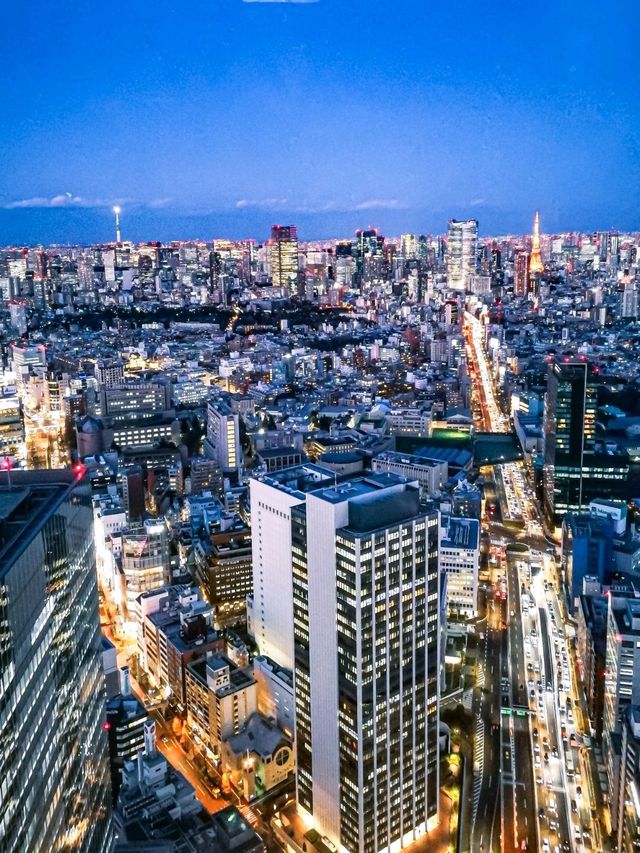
(292, 832)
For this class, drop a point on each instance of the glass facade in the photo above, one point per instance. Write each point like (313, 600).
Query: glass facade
(54, 765)
(574, 471)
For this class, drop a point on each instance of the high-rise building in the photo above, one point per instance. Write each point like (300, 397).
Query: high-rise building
(270, 608)
(365, 560)
(54, 758)
(462, 250)
(576, 470)
(283, 257)
(222, 443)
(520, 272)
(126, 716)
(145, 561)
(459, 555)
(621, 683)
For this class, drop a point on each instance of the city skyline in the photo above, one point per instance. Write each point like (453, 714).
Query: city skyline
(321, 115)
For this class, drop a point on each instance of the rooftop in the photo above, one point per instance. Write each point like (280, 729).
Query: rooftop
(26, 506)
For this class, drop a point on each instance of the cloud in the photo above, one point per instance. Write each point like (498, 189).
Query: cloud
(284, 204)
(380, 204)
(262, 203)
(476, 202)
(156, 203)
(68, 200)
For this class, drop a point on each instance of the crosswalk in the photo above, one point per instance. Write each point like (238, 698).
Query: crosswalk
(248, 815)
(478, 762)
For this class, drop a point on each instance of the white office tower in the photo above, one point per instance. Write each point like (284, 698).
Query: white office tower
(270, 608)
(459, 552)
(462, 252)
(366, 636)
(223, 437)
(630, 301)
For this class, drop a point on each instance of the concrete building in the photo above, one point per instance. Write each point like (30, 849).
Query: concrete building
(206, 476)
(119, 402)
(627, 806)
(275, 692)
(126, 716)
(277, 458)
(223, 567)
(145, 563)
(586, 551)
(365, 560)
(621, 682)
(591, 644)
(173, 630)
(270, 608)
(109, 372)
(220, 698)
(431, 474)
(466, 500)
(459, 559)
(222, 443)
(409, 420)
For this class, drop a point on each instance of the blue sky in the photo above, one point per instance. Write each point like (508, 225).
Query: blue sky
(219, 118)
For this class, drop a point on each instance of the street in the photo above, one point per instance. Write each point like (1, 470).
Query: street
(529, 670)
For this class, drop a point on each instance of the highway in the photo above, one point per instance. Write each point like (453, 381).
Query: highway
(538, 737)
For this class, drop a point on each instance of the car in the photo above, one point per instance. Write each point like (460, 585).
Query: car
(165, 739)
(215, 790)
(539, 780)
(554, 752)
(536, 749)
(535, 733)
(536, 761)
(541, 813)
(578, 790)
(553, 826)
(546, 758)
(545, 844)
(574, 806)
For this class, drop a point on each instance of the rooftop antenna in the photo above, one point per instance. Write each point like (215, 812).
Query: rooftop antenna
(117, 210)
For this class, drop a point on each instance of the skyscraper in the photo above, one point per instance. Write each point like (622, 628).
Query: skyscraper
(222, 443)
(576, 470)
(366, 691)
(520, 276)
(54, 758)
(283, 257)
(462, 249)
(271, 605)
